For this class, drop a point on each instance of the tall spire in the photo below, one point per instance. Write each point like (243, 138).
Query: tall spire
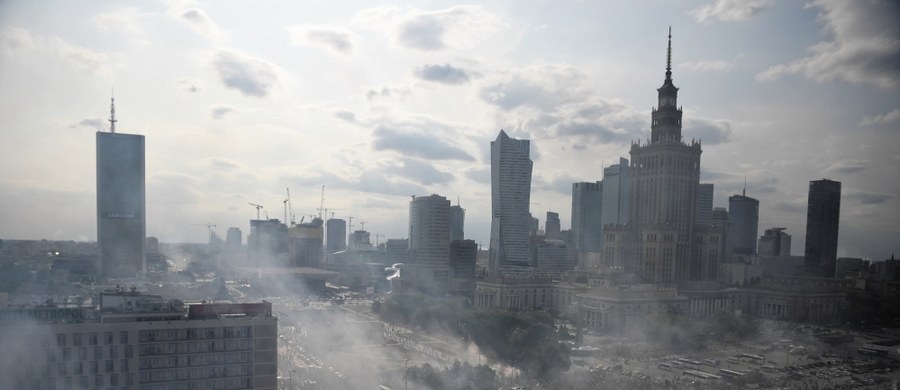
(112, 113)
(669, 57)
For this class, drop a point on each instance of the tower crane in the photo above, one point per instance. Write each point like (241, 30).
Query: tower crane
(258, 207)
(290, 207)
(377, 235)
(363, 223)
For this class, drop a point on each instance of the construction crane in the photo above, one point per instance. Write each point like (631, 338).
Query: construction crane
(212, 234)
(377, 235)
(322, 204)
(350, 224)
(258, 207)
(290, 207)
(363, 223)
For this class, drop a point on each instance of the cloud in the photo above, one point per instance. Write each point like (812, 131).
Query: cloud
(411, 141)
(428, 30)
(561, 184)
(387, 92)
(14, 41)
(250, 75)
(444, 74)
(864, 48)
(219, 112)
(187, 84)
(346, 115)
(867, 198)
(729, 10)
(371, 181)
(336, 39)
(848, 166)
(198, 21)
(457, 27)
(708, 66)
(94, 123)
(479, 175)
(538, 86)
(710, 132)
(882, 119)
(122, 20)
(421, 172)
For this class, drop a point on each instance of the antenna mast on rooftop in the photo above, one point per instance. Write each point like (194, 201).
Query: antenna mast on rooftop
(112, 113)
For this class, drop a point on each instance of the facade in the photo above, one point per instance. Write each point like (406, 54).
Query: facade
(233, 239)
(823, 217)
(429, 244)
(305, 244)
(658, 243)
(396, 251)
(615, 194)
(587, 217)
(528, 293)
(743, 218)
(705, 193)
(360, 240)
(463, 255)
(551, 226)
(457, 223)
(553, 256)
(336, 236)
(121, 204)
(511, 167)
(774, 242)
(267, 244)
(138, 341)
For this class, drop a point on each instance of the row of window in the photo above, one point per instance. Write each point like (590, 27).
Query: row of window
(195, 333)
(195, 347)
(195, 360)
(195, 373)
(67, 354)
(217, 384)
(92, 338)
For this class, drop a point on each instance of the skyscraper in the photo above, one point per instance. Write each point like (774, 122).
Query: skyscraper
(457, 223)
(429, 244)
(823, 216)
(658, 243)
(705, 203)
(510, 200)
(587, 216)
(615, 194)
(743, 218)
(121, 219)
(775, 242)
(551, 226)
(335, 236)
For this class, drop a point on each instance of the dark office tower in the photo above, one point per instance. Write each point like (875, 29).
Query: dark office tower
(551, 226)
(615, 193)
(587, 210)
(823, 215)
(463, 255)
(704, 203)
(720, 220)
(121, 220)
(743, 217)
(510, 201)
(457, 223)
(335, 236)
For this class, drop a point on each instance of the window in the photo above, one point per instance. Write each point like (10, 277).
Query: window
(76, 340)
(67, 354)
(92, 339)
(108, 338)
(82, 353)
(98, 353)
(61, 340)
(123, 337)
(123, 365)
(109, 366)
(129, 351)
(113, 352)
(95, 368)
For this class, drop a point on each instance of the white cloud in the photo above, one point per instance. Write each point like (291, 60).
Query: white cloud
(882, 119)
(120, 21)
(331, 37)
(457, 27)
(864, 48)
(187, 85)
(729, 10)
(219, 112)
(251, 76)
(196, 19)
(708, 66)
(15, 40)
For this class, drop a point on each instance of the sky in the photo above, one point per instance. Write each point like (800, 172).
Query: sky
(240, 101)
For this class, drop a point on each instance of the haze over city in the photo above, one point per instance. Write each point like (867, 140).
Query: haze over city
(382, 101)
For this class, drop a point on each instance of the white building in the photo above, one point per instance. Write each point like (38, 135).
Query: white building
(511, 222)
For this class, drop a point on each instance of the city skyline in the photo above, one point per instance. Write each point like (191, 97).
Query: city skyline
(382, 102)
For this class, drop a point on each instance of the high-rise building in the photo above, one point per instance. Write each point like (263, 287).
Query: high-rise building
(336, 236)
(551, 226)
(121, 219)
(457, 223)
(615, 194)
(720, 221)
(267, 244)
(743, 218)
(587, 213)
(463, 255)
(705, 203)
(396, 251)
(429, 230)
(360, 240)
(775, 242)
(658, 243)
(305, 244)
(233, 239)
(823, 217)
(132, 340)
(511, 167)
